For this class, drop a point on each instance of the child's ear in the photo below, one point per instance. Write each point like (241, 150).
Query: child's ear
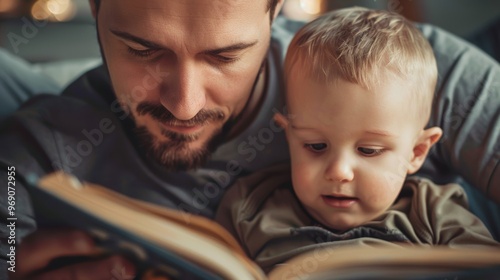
(427, 138)
(281, 121)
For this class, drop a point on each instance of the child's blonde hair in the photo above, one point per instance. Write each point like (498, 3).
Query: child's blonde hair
(362, 46)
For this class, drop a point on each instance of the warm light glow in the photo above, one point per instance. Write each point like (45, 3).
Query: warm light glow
(305, 10)
(312, 7)
(53, 10)
(7, 5)
(39, 12)
(58, 7)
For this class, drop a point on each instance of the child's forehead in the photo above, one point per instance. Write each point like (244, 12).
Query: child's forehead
(322, 103)
(385, 88)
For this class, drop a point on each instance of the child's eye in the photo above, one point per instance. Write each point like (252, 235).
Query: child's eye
(316, 147)
(369, 152)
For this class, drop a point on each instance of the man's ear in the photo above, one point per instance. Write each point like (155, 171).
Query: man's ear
(281, 121)
(93, 8)
(427, 138)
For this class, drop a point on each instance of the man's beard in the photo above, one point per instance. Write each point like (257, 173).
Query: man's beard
(175, 154)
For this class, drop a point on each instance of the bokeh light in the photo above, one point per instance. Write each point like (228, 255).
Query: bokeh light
(312, 7)
(53, 10)
(304, 9)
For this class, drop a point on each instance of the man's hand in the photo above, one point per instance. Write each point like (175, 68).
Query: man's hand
(45, 245)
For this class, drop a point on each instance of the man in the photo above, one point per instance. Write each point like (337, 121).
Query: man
(186, 77)
(184, 107)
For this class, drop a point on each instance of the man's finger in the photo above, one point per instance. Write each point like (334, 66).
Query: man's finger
(111, 268)
(37, 250)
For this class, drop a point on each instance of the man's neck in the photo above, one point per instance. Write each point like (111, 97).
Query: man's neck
(248, 114)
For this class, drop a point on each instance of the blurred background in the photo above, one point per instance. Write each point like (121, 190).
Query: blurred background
(52, 30)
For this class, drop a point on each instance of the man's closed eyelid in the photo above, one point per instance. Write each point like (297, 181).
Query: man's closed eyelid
(141, 53)
(226, 57)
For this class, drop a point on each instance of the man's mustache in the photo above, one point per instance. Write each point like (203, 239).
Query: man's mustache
(161, 114)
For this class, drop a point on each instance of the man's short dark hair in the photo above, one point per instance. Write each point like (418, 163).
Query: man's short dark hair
(271, 6)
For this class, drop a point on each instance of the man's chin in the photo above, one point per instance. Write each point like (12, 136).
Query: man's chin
(177, 154)
(180, 159)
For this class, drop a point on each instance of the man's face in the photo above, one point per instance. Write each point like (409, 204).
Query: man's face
(349, 147)
(183, 68)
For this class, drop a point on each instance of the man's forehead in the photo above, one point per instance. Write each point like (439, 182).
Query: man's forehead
(187, 15)
(192, 8)
(195, 25)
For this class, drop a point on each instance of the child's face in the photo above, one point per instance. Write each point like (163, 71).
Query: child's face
(350, 147)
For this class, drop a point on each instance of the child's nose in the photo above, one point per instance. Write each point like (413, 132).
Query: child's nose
(339, 170)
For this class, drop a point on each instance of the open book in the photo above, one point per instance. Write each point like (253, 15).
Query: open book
(184, 246)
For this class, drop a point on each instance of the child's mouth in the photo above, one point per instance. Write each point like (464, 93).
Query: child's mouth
(339, 201)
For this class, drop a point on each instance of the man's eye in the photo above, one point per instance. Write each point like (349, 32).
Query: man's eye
(316, 147)
(369, 152)
(225, 59)
(141, 53)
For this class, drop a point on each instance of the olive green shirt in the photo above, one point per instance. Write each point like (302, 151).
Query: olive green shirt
(264, 214)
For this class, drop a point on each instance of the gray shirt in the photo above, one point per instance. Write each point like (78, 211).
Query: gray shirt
(84, 131)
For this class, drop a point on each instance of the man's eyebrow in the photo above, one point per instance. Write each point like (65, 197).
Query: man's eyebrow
(231, 48)
(152, 45)
(129, 37)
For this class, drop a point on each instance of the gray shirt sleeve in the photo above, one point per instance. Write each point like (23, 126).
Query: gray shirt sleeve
(467, 108)
(19, 82)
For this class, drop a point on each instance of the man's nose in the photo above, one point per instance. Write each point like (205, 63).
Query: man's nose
(339, 169)
(184, 94)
